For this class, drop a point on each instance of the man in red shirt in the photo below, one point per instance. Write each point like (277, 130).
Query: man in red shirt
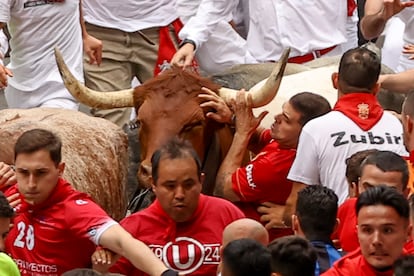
(378, 168)
(383, 228)
(264, 179)
(182, 226)
(56, 227)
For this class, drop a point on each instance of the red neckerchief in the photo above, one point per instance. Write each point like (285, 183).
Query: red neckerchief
(351, 7)
(62, 190)
(411, 158)
(167, 48)
(362, 108)
(171, 229)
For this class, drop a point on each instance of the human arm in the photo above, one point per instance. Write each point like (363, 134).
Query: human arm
(7, 175)
(279, 216)
(246, 124)
(118, 240)
(377, 13)
(200, 26)
(4, 46)
(402, 82)
(91, 45)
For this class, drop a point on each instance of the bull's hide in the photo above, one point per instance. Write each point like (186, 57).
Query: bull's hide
(94, 150)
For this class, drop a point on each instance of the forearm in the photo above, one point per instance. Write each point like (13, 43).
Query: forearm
(401, 83)
(372, 25)
(230, 164)
(290, 206)
(81, 21)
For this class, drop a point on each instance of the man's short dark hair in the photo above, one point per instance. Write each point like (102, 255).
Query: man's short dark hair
(404, 266)
(39, 139)
(309, 105)
(174, 149)
(359, 70)
(6, 211)
(246, 257)
(316, 209)
(388, 161)
(353, 165)
(88, 272)
(292, 256)
(384, 195)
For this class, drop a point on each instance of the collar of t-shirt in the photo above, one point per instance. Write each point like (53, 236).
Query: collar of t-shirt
(362, 108)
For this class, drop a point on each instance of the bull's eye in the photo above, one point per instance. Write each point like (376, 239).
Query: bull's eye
(191, 126)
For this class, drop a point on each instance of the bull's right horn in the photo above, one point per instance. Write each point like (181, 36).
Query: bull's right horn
(89, 97)
(263, 92)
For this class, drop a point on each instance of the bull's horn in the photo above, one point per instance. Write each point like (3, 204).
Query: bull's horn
(262, 94)
(89, 97)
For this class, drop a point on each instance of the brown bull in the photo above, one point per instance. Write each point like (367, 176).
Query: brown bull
(168, 105)
(94, 151)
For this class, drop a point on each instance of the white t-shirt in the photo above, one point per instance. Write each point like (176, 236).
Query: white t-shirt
(36, 27)
(206, 22)
(129, 15)
(407, 16)
(304, 26)
(327, 141)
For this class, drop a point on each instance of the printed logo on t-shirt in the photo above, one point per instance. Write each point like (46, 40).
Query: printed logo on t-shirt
(81, 202)
(249, 176)
(186, 255)
(342, 138)
(35, 3)
(92, 232)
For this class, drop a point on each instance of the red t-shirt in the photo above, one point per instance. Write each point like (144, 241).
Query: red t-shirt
(191, 247)
(265, 179)
(58, 235)
(354, 264)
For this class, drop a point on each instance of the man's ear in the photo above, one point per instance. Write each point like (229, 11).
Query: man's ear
(61, 168)
(376, 89)
(409, 124)
(295, 224)
(337, 222)
(335, 80)
(202, 177)
(151, 180)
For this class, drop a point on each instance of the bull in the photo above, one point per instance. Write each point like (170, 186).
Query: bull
(168, 105)
(94, 150)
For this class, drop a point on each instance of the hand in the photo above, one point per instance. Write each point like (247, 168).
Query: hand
(184, 56)
(4, 74)
(7, 175)
(409, 50)
(103, 259)
(392, 7)
(246, 122)
(14, 200)
(211, 100)
(273, 215)
(93, 48)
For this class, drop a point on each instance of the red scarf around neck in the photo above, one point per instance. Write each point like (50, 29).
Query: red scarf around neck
(362, 108)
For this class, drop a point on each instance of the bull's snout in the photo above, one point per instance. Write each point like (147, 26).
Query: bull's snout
(144, 175)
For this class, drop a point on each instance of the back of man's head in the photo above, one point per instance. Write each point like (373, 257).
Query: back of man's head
(316, 211)
(388, 161)
(245, 228)
(404, 266)
(309, 105)
(245, 257)
(6, 211)
(292, 256)
(359, 70)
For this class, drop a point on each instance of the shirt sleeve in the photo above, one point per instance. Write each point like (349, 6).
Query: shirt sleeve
(204, 22)
(5, 7)
(255, 181)
(305, 168)
(86, 218)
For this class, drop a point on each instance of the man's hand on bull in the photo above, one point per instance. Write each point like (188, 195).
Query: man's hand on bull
(7, 175)
(183, 58)
(272, 215)
(220, 111)
(102, 259)
(246, 123)
(93, 48)
(4, 74)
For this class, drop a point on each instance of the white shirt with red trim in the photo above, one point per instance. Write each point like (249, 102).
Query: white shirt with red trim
(206, 22)
(36, 27)
(327, 141)
(302, 25)
(129, 15)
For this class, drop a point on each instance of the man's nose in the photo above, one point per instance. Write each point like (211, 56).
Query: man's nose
(179, 192)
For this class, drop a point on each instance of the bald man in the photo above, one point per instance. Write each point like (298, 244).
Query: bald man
(243, 228)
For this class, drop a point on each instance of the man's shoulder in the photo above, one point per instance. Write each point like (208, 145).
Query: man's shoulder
(348, 265)
(216, 203)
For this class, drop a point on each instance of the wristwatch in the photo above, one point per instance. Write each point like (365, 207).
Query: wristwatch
(185, 41)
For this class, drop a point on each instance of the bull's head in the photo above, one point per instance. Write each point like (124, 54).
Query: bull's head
(168, 105)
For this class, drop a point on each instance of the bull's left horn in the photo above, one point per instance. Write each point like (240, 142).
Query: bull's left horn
(89, 97)
(263, 92)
